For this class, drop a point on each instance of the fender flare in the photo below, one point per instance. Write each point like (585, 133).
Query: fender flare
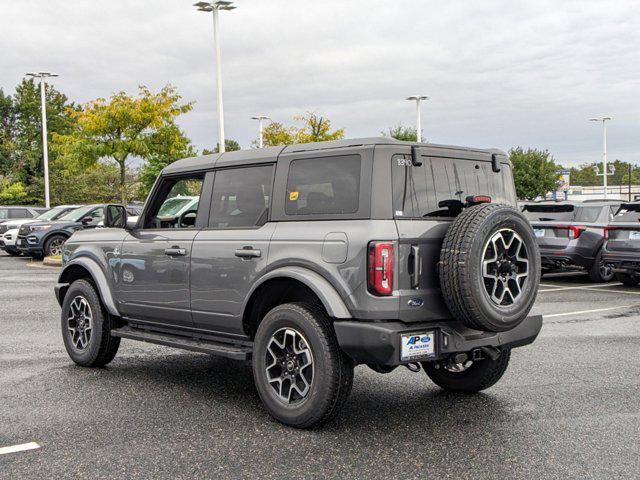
(98, 277)
(330, 298)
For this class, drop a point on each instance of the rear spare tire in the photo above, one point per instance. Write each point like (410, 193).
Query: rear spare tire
(490, 267)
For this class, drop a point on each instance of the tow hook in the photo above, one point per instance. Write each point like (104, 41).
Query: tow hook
(413, 367)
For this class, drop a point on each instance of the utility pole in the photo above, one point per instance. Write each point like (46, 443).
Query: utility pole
(214, 7)
(260, 118)
(418, 99)
(604, 150)
(45, 153)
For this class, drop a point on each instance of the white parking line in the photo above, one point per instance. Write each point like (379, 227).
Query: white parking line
(19, 448)
(580, 312)
(558, 289)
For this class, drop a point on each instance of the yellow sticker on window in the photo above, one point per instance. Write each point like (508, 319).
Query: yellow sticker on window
(293, 196)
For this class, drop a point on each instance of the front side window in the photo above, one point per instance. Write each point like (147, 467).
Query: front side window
(329, 185)
(176, 203)
(241, 197)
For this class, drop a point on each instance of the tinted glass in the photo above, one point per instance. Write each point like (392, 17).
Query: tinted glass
(418, 190)
(328, 185)
(241, 197)
(77, 214)
(587, 214)
(19, 213)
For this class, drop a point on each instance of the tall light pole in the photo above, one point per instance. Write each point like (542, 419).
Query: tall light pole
(260, 118)
(215, 6)
(418, 99)
(604, 150)
(45, 153)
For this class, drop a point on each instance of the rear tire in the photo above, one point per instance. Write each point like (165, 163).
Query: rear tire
(599, 272)
(288, 336)
(478, 376)
(93, 346)
(628, 280)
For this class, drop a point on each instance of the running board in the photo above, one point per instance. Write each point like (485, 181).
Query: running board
(235, 352)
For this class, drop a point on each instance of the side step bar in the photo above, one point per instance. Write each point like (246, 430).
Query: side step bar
(235, 352)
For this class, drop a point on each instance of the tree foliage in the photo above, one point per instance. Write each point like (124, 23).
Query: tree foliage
(400, 132)
(314, 129)
(585, 174)
(126, 127)
(535, 172)
(230, 145)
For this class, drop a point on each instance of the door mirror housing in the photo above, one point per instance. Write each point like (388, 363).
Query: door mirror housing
(86, 220)
(115, 216)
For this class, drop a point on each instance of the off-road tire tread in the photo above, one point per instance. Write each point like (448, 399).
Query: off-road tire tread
(108, 344)
(488, 377)
(455, 246)
(341, 379)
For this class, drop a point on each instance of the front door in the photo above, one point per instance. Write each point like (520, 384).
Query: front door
(232, 252)
(153, 278)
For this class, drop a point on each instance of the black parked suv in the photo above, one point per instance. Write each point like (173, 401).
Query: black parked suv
(309, 259)
(622, 249)
(40, 239)
(571, 235)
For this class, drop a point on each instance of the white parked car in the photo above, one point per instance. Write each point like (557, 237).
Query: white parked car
(8, 242)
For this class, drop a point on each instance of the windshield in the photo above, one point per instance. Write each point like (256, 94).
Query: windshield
(53, 213)
(172, 206)
(77, 214)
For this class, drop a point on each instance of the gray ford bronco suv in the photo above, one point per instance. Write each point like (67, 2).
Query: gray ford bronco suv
(307, 260)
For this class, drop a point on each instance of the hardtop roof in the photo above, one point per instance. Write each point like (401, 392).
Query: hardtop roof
(270, 154)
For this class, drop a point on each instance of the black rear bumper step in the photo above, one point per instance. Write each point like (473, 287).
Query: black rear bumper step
(235, 352)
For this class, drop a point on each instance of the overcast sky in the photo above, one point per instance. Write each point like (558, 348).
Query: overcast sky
(499, 73)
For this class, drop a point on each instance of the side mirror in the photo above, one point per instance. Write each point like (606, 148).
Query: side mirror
(115, 216)
(86, 220)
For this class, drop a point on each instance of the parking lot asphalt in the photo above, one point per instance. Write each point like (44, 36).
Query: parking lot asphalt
(568, 406)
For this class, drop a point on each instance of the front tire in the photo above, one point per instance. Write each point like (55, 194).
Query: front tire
(471, 377)
(86, 327)
(54, 245)
(302, 376)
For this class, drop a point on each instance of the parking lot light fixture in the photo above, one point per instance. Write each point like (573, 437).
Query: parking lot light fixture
(418, 99)
(260, 119)
(45, 153)
(214, 7)
(604, 150)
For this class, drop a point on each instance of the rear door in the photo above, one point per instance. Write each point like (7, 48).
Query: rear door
(422, 221)
(232, 251)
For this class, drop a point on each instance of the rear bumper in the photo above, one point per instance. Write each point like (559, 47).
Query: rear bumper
(379, 342)
(622, 262)
(551, 258)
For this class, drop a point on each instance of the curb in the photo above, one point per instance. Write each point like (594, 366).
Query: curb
(52, 262)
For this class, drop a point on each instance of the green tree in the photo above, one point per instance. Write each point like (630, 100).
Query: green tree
(230, 145)
(11, 193)
(314, 129)
(535, 172)
(400, 132)
(124, 127)
(7, 127)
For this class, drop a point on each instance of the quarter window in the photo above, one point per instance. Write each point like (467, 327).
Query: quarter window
(329, 185)
(241, 197)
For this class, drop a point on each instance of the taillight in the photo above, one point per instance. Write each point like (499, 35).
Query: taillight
(475, 199)
(381, 268)
(573, 231)
(607, 230)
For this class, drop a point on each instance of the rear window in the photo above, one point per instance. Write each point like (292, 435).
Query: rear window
(628, 213)
(549, 213)
(419, 190)
(329, 185)
(587, 214)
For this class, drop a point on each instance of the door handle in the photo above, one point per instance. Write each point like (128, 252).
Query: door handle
(175, 251)
(248, 252)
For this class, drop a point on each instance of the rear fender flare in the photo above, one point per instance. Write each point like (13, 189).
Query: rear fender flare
(330, 298)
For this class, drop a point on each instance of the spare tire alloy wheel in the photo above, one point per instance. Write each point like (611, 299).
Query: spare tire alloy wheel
(80, 323)
(289, 365)
(489, 267)
(505, 267)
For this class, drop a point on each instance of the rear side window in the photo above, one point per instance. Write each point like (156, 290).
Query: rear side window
(329, 185)
(20, 213)
(418, 190)
(241, 197)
